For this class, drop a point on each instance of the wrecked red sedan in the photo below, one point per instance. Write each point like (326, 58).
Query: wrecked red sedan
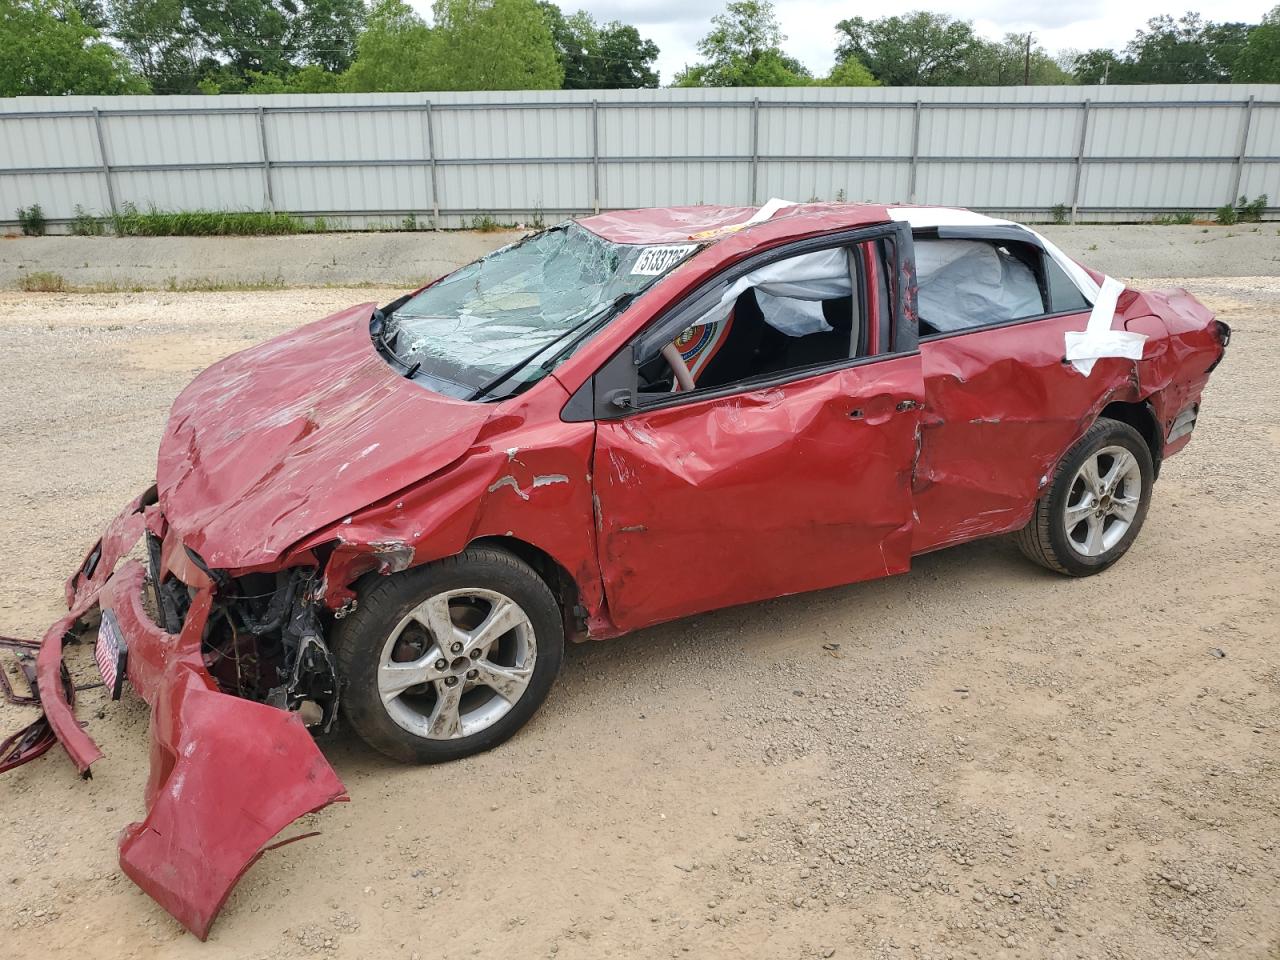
(398, 515)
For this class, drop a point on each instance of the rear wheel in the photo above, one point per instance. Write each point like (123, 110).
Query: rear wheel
(1096, 504)
(449, 659)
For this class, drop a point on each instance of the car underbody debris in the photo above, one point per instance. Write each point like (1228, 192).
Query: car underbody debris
(229, 770)
(37, 737)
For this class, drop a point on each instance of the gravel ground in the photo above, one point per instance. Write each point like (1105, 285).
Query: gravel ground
(977, 759)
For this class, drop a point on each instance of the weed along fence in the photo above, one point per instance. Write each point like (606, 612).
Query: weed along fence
(459, 159)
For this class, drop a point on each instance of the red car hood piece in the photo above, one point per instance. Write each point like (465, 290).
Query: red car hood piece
(273, 443)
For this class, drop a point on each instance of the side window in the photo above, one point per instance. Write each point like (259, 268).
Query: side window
(973, 283)
(806, 311)
(1064, 295)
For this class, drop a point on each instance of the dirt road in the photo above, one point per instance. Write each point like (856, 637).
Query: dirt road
(978, 759)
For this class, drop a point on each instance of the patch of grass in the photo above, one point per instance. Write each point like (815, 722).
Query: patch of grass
(1182, 217)
(43, 281)
(32, 220)
(410, 222)
(208, 285)
(132, 222)
(85, 224)
(1060, 213)
(1226, 215)
(318, 225)
(1251, 211)
(485, 223)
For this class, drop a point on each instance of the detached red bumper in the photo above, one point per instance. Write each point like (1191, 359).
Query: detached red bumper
(227, 774)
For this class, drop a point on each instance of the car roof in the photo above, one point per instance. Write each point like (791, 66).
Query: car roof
(704, 222)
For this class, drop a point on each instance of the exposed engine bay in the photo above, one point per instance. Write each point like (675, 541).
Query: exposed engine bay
(265, 637)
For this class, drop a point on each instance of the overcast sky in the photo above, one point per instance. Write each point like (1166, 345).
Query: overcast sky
(676, 25)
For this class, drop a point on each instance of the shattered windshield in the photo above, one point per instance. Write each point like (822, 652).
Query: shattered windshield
(498, 325)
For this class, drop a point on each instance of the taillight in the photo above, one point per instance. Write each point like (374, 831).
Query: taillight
(1222, 333)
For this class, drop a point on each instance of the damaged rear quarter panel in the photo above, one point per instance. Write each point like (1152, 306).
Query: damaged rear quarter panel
(1002, 409)
(1174, 372)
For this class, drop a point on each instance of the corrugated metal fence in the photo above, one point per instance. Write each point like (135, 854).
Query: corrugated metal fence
(1103, 153)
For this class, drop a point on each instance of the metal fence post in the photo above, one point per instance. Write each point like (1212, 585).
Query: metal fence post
(595, 155)
(266, 160)
(1078, 175)
(755, 151)
(1238, 176)
(915, 151)
(102, 156)
(431, 155)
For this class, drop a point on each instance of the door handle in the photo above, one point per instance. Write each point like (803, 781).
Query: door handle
(905, 405)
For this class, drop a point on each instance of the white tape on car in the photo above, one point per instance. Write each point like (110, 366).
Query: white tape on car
(1098, 339)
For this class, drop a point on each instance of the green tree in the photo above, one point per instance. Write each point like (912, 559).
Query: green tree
(323, 33)
(1096, 66)
(182, 46)
(915, 49)
(1259, 60)
(493, 45)
(312, 78)
(744, 49)
(394, 53)
(46, 49)
(162, 42)
(92, 13)
(1010, 63)
(594, 57)
(624, 59)
(850, 73)
(244, 35)
(1187, 50)
(574, 39)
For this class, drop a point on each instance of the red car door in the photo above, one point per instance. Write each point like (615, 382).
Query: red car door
(760, 489)
(1001, 406)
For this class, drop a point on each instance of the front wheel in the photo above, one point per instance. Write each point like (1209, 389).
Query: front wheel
(449, 659)
(1095, 505)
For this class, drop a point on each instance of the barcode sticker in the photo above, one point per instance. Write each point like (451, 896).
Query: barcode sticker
(655, 261)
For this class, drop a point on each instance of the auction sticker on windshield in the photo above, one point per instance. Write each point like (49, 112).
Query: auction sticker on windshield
(655, 261)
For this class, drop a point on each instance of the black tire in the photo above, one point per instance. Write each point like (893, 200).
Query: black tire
(360, 637)
(1045, 538)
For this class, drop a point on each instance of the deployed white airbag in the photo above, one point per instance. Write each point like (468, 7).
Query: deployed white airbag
(969, 283)
(790, 292)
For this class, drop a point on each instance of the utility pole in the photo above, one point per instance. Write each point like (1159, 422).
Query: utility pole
(1026, 64)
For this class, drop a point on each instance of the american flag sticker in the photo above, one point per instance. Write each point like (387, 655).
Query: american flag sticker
(111, 653)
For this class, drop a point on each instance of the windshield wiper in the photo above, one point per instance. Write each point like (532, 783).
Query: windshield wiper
(584, 329)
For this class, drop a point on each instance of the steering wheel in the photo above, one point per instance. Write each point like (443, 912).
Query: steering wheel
(684, 379)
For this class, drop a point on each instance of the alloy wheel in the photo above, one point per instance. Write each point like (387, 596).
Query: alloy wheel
(1103, 501)
(457, 663)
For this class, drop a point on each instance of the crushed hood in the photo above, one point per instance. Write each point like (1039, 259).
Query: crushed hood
(271, 444)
